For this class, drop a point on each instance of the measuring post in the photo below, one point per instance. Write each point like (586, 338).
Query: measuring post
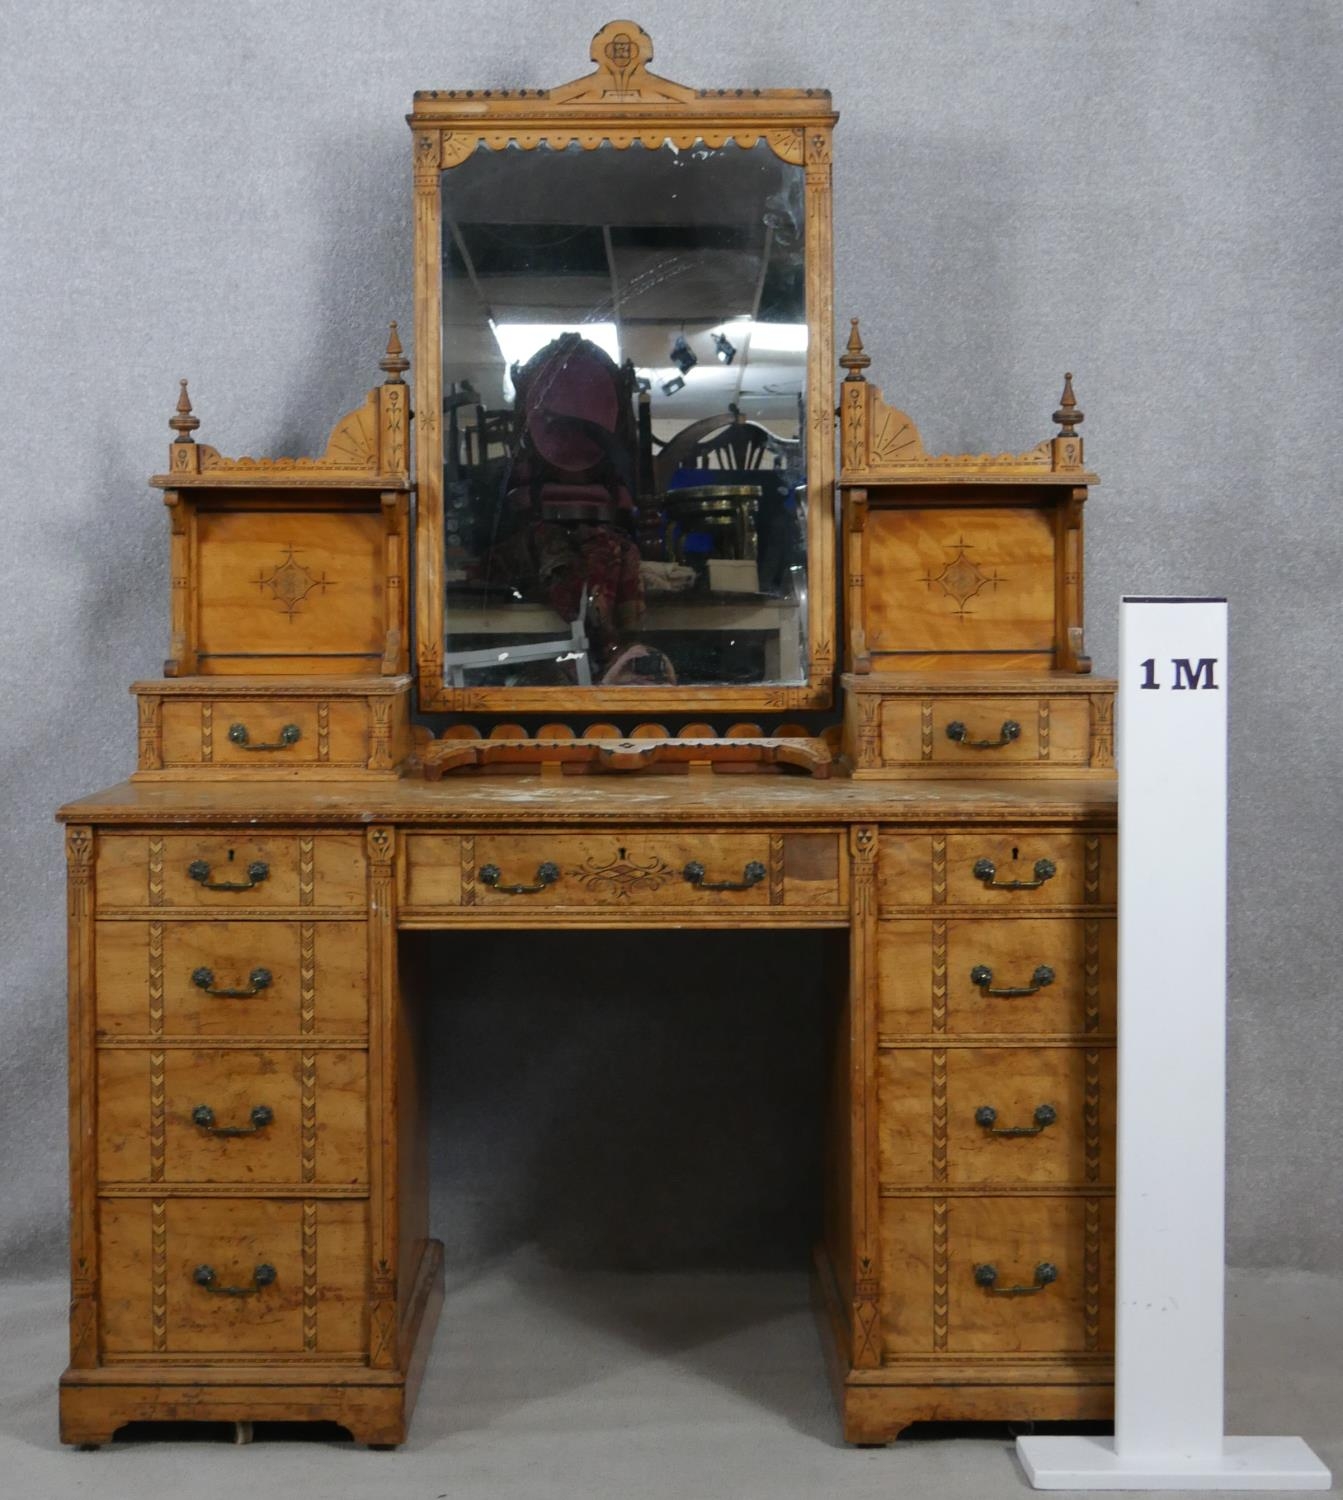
(1171, 1186)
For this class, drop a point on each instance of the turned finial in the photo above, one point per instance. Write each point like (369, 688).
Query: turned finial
(854, 360)
(1068, 415)
(185, 422)
(394, 361)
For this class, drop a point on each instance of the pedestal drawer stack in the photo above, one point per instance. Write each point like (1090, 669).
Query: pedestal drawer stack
(220, 1151)
(995, 1078)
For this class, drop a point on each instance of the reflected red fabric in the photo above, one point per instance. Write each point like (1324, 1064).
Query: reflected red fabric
(573, 387)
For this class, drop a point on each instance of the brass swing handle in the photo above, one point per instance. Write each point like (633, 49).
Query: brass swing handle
(982, 976)
(290, 734)
(1045, 1115)
(1010, 731)
(262, 1115)
(987, 1276)
(257, 871)
(987, 871)
(257, 980)
(262, 1277)
(753, 874)
(546, 874)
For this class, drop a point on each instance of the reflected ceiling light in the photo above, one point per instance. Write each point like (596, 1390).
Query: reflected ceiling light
(519, 341)
(778, 338)
(683, 356)
(725, 350)
(670, 387)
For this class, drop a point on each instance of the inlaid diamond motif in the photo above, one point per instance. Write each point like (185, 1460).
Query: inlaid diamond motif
(962, 578)
(289, 583)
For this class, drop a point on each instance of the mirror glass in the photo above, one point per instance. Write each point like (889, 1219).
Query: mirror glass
(624, 337)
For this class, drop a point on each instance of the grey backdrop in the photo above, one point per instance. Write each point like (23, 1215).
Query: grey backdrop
(1145, 193)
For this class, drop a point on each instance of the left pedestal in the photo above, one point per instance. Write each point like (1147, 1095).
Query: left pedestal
(244, 1245)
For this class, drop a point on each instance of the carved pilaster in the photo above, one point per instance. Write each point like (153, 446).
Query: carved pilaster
(79, 852)
(380, 846)
(1102, 730)
(380, 734)
(150, 715)
(864, 1185)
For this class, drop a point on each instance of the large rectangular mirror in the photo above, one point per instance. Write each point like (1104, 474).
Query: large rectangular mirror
(625, 502)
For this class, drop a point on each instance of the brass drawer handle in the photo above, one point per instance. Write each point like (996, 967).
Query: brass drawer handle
(257, 980)
(987, 1276)
(257, 871)
(982, 976)
(204, 1116)
(546, 874)
(753, 874)
(289, 735)
(987, 871)
(1045, 1116)
(262, 1277)
(1010, 731)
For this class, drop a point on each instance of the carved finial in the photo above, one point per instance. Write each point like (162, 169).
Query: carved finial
(394, 361)
(1068, 416)
(185, 422)
(853, 359)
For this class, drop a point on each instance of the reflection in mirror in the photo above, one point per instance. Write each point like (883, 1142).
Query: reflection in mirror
(624, 336)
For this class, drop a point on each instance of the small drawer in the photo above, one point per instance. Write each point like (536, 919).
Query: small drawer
(263, 734)
(231, 979)
(179, 1116)
(233, 1276)
(986, 732)
(1006, 1116)
(898, 726)
(202, 725)
(978, 976)
(643, 869)
(997, 1275)
(1006, 870)
(223, 871)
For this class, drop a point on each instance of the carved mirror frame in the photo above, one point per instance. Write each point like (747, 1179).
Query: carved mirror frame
(622, 103)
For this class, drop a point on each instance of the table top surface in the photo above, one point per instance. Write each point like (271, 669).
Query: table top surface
(642, 798)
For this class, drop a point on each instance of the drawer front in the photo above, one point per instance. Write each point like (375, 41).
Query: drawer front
(937, 1255)
(227, 979)
(180, 1116)
(1006, 1116)
(265, 734)
(1006, 871)
(640, 869)
(229, 871)
(985, 977)
(155, 1256)
(986, 732)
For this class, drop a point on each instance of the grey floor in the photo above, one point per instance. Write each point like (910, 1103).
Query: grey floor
(546, 1385)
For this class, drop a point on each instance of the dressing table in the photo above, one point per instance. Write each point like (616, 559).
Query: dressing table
(418, 683)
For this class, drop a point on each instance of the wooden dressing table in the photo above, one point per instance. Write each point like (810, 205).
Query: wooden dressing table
(249, 1168)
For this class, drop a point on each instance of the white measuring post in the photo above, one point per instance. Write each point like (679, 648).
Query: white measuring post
(1171, 1187)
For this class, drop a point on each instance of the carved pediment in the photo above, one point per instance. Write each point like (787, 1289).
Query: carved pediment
(621, 51)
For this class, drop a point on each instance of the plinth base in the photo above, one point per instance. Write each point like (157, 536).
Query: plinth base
(1246, 1463)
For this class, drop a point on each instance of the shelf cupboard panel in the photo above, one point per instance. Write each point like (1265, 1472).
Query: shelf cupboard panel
(287, 979)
